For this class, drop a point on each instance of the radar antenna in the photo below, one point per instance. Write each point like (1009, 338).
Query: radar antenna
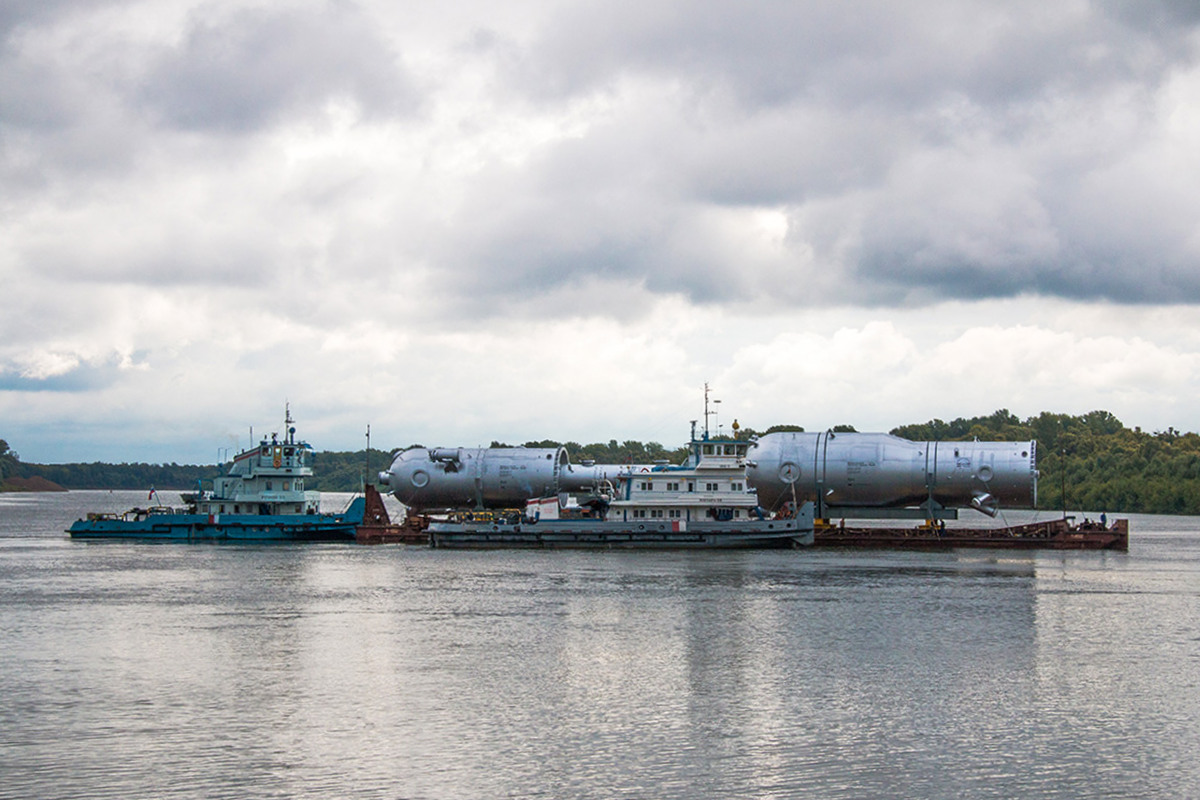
(289, 431)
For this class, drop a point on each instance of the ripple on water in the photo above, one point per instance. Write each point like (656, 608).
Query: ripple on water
(391, 672)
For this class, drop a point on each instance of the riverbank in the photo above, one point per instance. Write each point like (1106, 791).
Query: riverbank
(34, 484)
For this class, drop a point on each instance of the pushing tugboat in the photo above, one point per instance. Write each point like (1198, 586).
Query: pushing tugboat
(703, 503)
(261, 498)
(535, 497)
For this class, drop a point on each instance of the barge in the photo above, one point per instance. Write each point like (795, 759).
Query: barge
(1055, 534)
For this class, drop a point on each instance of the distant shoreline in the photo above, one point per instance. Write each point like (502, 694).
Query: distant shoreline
(34, 484)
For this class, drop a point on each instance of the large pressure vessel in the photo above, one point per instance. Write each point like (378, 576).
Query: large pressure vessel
(878, 470)
(495, 477)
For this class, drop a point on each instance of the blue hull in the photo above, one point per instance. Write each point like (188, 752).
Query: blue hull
(227, 527)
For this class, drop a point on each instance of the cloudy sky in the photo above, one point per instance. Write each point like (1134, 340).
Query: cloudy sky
(464, 221)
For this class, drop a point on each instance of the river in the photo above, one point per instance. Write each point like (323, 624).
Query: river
(138, 670)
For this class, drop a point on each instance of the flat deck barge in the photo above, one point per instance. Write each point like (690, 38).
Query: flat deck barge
(1055, 534)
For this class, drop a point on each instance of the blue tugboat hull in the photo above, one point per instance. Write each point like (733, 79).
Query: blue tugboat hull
(226, 527)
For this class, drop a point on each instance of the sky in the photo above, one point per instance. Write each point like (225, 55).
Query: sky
(468, 221)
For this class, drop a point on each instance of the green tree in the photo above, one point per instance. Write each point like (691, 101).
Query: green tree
(8, 461)
(1092, 460)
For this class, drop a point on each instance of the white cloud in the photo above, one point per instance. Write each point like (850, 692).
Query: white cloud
(525, 220)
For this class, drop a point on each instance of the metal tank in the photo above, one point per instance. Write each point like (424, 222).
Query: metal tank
(495, 477)
(864, 470)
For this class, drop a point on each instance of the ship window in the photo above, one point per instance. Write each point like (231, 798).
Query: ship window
(672, 487)
(711, 487)
(691, 486)
(299, 485)
(268, 486)
(675, 513)
(285, 486)
(222, 511)
(266, 451)
(237, 509)
(708, 449)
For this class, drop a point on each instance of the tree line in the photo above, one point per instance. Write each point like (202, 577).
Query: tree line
(1098, 462)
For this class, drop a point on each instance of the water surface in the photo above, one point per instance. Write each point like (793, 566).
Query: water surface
(329, 670)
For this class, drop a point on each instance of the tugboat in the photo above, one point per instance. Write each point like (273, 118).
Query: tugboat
(702, 503)
(261, 498)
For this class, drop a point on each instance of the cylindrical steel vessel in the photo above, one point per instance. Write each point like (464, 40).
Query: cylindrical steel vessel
(460, 477)
(497, 477)
(879, 470)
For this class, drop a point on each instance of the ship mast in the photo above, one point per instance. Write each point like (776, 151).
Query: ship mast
(706, 410)
(708, 413)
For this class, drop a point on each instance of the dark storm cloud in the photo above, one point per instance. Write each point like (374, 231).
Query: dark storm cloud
(16, 15)
(848, 54)
(922, 151)
(85, 95)
(54, 120)
(914, 151)
(246, 70)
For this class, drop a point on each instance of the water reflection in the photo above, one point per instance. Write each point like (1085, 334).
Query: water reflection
(330, 670)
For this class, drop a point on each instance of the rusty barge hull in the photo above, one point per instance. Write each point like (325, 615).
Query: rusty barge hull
(1058, 534)
(378, 528)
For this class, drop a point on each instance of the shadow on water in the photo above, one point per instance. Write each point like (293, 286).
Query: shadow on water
(335, 670)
